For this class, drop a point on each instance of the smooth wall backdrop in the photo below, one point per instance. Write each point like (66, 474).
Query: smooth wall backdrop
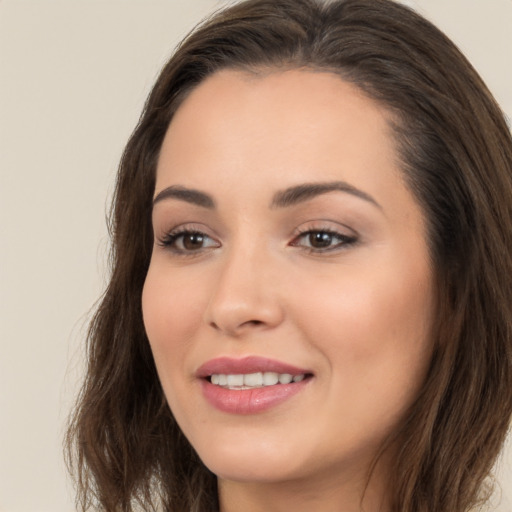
(73, 77)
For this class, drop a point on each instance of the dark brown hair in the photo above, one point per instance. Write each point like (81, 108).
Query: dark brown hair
(455, 150)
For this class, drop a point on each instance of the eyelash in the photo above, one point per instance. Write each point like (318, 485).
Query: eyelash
(170, 240)
(344, 241)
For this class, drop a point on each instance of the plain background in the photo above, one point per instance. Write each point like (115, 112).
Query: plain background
(73, 77)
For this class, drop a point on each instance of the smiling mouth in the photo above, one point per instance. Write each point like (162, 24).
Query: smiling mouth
(254, 380)
(250, 385)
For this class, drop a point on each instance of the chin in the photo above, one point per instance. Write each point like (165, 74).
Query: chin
(254, 472)
(255, 463)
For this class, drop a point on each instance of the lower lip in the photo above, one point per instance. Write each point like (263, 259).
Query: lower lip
(250, 401)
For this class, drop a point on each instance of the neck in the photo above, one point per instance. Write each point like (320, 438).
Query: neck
(335, 493)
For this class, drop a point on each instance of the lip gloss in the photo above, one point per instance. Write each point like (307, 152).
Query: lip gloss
(254, 399)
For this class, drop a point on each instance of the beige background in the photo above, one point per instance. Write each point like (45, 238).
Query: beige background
(73, 77)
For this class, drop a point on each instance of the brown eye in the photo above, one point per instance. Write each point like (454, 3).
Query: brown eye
(187, 241)
(320, 239)
(193, 241)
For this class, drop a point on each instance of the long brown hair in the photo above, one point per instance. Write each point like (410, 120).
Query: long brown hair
(455, 151)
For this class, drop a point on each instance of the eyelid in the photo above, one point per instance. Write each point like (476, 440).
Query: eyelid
(341, 235)
(325, 225)
(167, 239)
(346, 236)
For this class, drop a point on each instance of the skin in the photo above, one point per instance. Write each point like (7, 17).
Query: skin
(357, 314)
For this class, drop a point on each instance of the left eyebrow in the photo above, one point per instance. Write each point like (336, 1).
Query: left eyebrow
(306, 191)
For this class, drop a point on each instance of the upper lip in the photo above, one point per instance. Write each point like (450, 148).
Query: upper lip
(245, 365)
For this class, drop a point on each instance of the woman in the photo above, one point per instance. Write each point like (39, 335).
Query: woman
(308, 306)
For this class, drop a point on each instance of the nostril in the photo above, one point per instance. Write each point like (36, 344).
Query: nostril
(248, 322)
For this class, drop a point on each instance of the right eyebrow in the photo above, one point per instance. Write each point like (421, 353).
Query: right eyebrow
(188, 195)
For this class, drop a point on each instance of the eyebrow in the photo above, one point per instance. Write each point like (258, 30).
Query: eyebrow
(188, 195)
(282, 199)
(306, 191)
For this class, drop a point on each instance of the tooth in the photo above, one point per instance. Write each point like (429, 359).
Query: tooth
(235, 380)
(285, 378)
(253, 379)
(270, 378)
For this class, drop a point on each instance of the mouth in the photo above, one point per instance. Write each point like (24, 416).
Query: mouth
(254, 380)
(250, 385)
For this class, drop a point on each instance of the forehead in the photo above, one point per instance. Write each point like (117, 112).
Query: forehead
(269, 119)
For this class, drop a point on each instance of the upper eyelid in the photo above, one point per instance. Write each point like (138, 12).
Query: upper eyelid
(342, 243)
(334, 233)
(162, 233)
(187, 227)
(327, 225)
(177, 232)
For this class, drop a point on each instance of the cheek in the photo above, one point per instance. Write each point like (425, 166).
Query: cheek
(376, 305)
(373, 326)
(172, 312)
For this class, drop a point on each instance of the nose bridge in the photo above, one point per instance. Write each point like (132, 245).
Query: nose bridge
(245, 292)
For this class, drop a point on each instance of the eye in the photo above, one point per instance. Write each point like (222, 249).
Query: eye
(188, 241)
(323, 240)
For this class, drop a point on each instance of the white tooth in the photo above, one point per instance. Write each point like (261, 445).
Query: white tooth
(285, 378)
(235, 380)
(253, 379)
(270, 378)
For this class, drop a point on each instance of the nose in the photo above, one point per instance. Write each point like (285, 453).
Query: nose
(246, 294)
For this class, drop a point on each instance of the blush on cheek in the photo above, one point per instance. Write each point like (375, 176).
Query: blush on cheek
(374, 318)
(168, 308)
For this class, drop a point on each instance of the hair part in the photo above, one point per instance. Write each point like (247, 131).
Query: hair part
(455, 150)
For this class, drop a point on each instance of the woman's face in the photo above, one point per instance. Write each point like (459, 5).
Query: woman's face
(287, 248)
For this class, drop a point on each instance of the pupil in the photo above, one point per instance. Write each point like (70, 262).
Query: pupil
(193, 241)
(320, 239)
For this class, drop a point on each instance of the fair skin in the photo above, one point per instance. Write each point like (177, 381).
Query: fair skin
(332, 279)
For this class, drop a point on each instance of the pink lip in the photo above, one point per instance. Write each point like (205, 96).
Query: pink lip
(251, 364)
(248, 401)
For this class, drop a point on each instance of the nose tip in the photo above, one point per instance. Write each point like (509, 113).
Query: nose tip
(234, 323)
(243, 301)
(236, 330)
